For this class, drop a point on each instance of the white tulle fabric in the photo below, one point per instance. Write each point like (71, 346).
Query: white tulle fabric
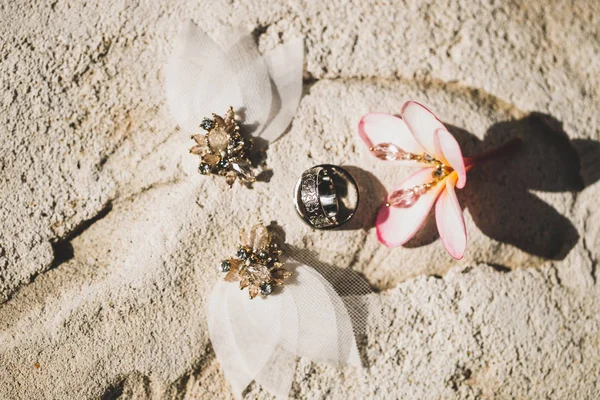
(206, 75)
(261, 339)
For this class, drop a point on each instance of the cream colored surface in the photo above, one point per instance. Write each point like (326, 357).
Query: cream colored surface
(109, 239)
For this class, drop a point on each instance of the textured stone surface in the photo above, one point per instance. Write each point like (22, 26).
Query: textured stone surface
(109, 240)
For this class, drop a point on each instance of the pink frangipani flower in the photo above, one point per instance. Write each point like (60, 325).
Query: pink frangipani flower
(419, 138)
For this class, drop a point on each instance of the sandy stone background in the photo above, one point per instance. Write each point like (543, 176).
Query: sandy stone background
(109, 239)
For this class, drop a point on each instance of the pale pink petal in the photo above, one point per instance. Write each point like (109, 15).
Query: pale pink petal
(395, 226)
(448, 150)
(450, 221)
(376, 128)
(422, 123)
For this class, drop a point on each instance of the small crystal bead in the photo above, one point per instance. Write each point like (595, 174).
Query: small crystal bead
(204, 169)
(224, 266)
(243, 170)
(262, 255)
(428, 158)
(403, 198)
(223, 163)
(207, 124)
(388, 151)
(420, 190)
(266, 289)
(242, 254)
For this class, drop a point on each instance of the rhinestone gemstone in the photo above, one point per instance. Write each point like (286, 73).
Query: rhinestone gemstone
(223, 163)
(218, 139)
(266, 289)
(243, 170)
(258, 273)
(262, 255)
(428, 157)
(207, 124)
(224, 266)
(403, 198)
(242, 254)
(388, 151)
(204, 169)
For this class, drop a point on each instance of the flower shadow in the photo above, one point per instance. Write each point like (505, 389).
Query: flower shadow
(499, 194)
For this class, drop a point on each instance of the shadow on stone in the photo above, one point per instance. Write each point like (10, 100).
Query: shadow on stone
(499, 193)
(371, 193)
(353, 289)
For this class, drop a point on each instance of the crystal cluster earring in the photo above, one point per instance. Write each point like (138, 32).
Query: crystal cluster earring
(223, 150)
(256, 265)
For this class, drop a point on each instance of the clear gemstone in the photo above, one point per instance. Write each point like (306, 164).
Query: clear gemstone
(218, 139)
(388, 151)
(261, 236)
(243, 170)
(428, 157)
(420, 190)
(258, 273)
(403, 198)
(246, 237)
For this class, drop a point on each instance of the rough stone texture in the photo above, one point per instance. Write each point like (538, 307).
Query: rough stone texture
(109, 239)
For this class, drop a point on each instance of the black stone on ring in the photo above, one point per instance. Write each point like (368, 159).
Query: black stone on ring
(326, 196)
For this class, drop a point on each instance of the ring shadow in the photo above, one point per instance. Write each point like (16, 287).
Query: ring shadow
(371, 194)
(499, 194)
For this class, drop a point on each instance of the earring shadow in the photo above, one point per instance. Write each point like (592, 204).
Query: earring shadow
(353, 289)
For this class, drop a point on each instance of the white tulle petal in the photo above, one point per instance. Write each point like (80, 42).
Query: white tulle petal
(223, 340)
(325, 328)
(190, 94)
(205, 76)
(285, 64)
(260, 339)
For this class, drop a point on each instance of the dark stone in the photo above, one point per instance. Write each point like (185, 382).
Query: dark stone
(224, 266)
(242, 254)
(204, 169)
(207, 124)
(266, 289)
(223, 163)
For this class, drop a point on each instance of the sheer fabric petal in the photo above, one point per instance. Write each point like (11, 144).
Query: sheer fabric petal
(205, 76)
(450, 220)
(395, 226)
(285, 64)
(422, 123)
(260, 339)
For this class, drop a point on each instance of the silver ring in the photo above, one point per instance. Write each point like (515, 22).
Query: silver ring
(326, 196)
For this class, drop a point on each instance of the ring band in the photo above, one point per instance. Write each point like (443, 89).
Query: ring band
(321, 196)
